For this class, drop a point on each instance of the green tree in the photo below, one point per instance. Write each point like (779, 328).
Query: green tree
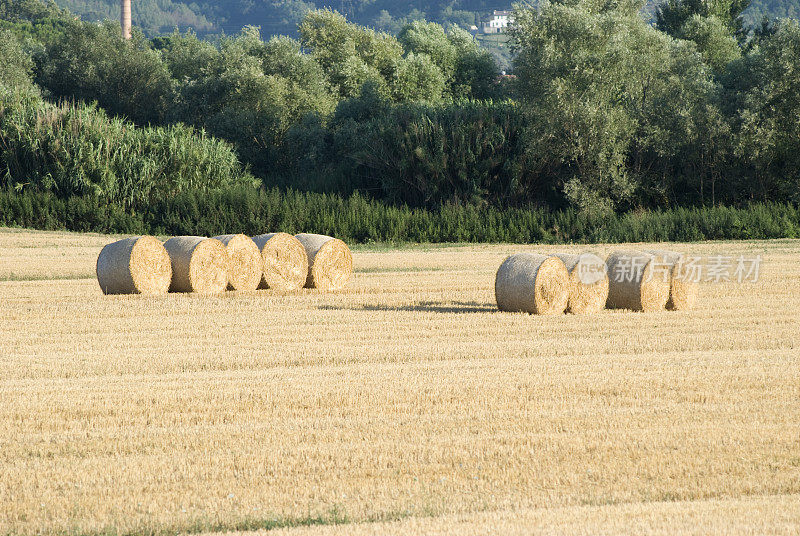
(92, 63)
(34, 20)
(429, 38)
(418, 79)
(186, 56)
(713, 39)
(614, 105)
(17, 66)
(672, 15)
(770, 105)
(350, 55)
(475, 76)
(29, 11)
(468, 71)
(252, 92)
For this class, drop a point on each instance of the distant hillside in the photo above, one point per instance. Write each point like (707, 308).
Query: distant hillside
(772, 9)
(278, 16)
(152, 16)
(281, 16)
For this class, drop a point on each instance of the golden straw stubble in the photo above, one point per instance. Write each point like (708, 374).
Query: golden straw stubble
(330, 263)
(588, 282)
(683, 287)
(245, 266)
(137, 265)
(198, 264)
(284, 260)
(532, 283)
(633, 282)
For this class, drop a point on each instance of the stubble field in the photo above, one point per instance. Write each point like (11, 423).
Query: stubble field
(404, 404)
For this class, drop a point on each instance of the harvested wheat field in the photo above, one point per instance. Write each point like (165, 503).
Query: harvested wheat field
(405, 403)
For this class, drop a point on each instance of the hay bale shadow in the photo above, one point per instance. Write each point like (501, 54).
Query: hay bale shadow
(423, 307)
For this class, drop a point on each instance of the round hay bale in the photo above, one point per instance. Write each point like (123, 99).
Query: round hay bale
(633, 283)
(284, 261)
(536, 284)
(245, 267)
(138, 265)
(682, 290)
(330, 263)
(198, 264)
(588, 281)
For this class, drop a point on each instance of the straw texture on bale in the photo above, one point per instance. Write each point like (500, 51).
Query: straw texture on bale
(683, 289)
(245, 266)
(536, 284)
(198, 264)
(284, 261)
(330, 263)
(588, 282)
(633, 283)
(138, 265)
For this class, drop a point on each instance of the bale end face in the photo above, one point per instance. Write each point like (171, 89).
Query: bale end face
(245, 267)
(531, 283)
(138, 265)
(683, 288)
(198, 264)
(588, 283)
(285, 262)
(330, 262)
(634, 282)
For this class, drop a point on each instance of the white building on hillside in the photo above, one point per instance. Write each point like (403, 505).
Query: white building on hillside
(498, 23)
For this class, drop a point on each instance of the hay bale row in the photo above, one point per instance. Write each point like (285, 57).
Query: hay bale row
(582, 284)
(143, 265)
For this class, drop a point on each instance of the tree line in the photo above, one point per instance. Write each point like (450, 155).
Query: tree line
(604, 113)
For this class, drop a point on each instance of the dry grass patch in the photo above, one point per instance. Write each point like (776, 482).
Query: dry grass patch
(407, 394)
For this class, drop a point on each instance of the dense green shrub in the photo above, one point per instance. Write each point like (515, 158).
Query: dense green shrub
(75, 149)
(419, 155)
(45, 210)
(470, 153)
(359, 220)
